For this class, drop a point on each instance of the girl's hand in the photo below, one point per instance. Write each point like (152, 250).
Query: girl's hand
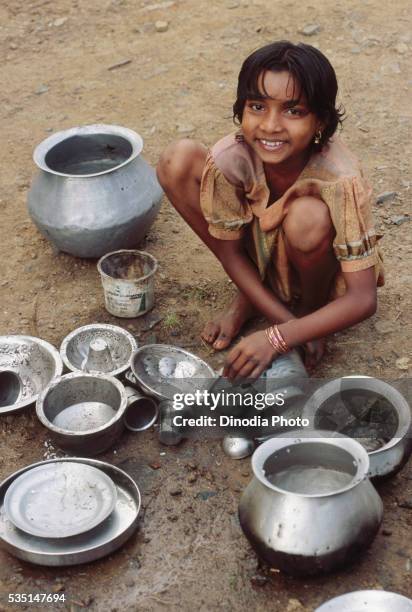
(249, 357)
(314, 351)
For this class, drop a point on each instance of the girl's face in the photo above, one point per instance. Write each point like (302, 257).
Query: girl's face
(278, 126)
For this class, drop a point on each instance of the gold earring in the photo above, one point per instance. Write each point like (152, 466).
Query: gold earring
(318, 137)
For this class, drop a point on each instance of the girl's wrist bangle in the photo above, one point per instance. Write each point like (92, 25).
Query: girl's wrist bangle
(276, 339)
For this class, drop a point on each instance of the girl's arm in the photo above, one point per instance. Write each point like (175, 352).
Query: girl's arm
(254, 353)
(358, 303)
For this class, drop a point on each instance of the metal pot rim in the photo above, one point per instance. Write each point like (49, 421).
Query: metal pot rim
(103, 326)
(366, 383)
(40, 152)
(133, 280)
(354, 597)
(88, 432)
(301, 436)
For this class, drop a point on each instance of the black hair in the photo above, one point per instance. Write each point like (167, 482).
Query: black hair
(312, 72)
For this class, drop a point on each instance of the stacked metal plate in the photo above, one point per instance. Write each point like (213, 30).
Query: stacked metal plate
(67, 511)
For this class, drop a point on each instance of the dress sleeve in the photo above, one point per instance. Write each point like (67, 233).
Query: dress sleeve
(223, 203)
(350, 205)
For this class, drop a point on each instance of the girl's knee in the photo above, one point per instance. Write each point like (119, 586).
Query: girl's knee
(308, 225)
(181, 160)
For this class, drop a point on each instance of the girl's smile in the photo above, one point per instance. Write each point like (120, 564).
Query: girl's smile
(278, 124)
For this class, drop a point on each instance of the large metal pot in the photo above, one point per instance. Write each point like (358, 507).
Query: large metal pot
(330, 407)
(94, 192)
(310, 508)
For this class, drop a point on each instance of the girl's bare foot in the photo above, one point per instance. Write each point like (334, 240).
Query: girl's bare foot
(221, 331)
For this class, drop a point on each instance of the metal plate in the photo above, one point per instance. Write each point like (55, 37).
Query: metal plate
(74, 349)
(60, 500)
(163, 383)
(83, 548)
(34, 361)
(368, 601)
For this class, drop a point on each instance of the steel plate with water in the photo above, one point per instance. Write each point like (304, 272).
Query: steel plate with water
(60, 500)
(85, 547)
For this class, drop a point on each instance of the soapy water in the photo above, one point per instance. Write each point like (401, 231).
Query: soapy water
(309, 480)
(167, 367)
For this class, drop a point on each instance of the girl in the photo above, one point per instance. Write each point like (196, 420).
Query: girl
(285, 208)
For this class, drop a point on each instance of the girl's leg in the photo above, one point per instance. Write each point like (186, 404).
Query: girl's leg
(309, 235)
(179, 172)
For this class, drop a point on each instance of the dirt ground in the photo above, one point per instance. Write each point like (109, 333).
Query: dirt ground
(189, 552)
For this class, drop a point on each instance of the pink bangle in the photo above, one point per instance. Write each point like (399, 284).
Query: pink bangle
(280, 338)
(276, 339)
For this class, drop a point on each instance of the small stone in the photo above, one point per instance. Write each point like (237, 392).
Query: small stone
(232, 4)
(185, 128)
(59, 22)
(13, 46)
(402, 363)
(399, 219)
(401, 48)
(258, 580)
(161, 26)
(310, 29)
(294, 605)
(58, 588)
(130, 583)
(204, 495)
(386, 532)
(385, 196)
(175, 492)
(173, 518)
(405, 503)
(384, 327)
(41, 90)
(192, 478)
(155, 466)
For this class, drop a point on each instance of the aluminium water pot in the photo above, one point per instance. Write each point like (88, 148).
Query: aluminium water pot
(94, 192)
(295, 519)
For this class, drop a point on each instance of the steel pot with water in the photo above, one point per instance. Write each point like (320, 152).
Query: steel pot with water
(310, 507)
(94, 192)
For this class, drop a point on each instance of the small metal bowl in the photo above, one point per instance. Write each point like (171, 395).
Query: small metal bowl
(83, 412)
(394, 450)
(145, 367)
(76, 346)
(237, 447)
(34, 362)
(367, 601)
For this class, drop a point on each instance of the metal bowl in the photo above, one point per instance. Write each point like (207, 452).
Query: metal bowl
(75, 347)
(237, 447)
(328, 408)
(84, 412)
(34, 361)
(367, 601)
(145, 367)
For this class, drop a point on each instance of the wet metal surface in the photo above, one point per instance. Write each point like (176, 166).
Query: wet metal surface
(75, 348)
(100, 541)
(34, 361)
(59, 500)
